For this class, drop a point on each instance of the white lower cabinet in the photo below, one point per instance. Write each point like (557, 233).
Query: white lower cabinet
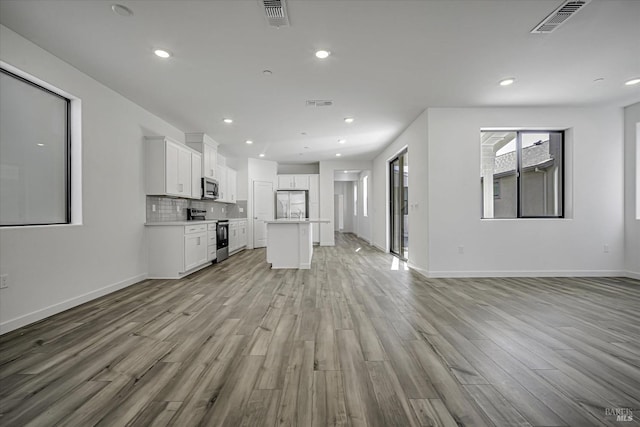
(212, 242)
(237, 235)
(177, 250)
(195, 250)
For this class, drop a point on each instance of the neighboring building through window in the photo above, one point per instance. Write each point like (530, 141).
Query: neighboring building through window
(365, 196)
(522, 174)
(35, 165)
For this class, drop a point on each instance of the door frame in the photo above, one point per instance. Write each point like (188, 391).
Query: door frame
(399, 157)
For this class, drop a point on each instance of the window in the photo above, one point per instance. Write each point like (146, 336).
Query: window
(522, 174)
(35, 182)
(355, 199)
(365, 196)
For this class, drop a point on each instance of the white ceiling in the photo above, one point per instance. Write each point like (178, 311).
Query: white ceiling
(390, 60)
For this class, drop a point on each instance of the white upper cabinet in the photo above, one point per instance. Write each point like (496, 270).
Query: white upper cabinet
(169, 168)
(227, 182)
(293, 182)
(209, 149)
(196, 175)
(232, 185)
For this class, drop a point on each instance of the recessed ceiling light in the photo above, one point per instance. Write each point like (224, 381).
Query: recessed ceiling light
(267, 72)
(227, 121)
(632, 82)
(348, 119)
(345, 172)
(338, 154)
(507, 81)
(162, 53)
(261, 154)
(342, 141)
(248, 141)
(322, 54)
(121, 10)
(598, 80)
(40, 145)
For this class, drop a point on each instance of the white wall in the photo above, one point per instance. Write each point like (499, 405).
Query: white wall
(299, 168)
(258, 170)
(414, 139)
(327, 169)
(53, 268)
(530, 246)
(364, 222)
(632, 189)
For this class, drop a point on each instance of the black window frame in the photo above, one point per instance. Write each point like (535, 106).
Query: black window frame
(519, 171)
(67, 151)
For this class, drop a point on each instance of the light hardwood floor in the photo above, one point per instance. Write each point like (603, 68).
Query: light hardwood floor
(357, 340)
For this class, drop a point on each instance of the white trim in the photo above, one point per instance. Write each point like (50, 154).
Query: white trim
(375, 245)
(632, 275)
(424, 272)
(43, 313)
(539, 273)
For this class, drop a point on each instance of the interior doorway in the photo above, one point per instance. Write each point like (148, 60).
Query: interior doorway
(399, 205)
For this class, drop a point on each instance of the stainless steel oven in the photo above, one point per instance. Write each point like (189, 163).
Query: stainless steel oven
(222, 237)
(209, 188)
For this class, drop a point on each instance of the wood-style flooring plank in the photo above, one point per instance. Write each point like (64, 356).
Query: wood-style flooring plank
(357, 340)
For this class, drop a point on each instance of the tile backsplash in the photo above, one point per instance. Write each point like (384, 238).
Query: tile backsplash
(172, 209)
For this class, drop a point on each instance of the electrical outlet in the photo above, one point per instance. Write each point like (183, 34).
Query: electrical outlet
(4, 281)
(606, 249)
(222, 210)
(241, 210)
(177, 208)
(460, 250)
(211, 208)
(153, 208)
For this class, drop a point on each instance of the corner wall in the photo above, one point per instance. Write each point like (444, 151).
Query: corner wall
(414, 138)
(53, 268)
(632, 192)
(540, 247)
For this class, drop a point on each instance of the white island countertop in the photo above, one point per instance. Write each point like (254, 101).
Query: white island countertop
(298, 221)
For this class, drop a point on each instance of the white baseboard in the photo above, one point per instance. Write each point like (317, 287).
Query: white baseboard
(632, 275)
(375, 245)
(517, 273)
(43, 313)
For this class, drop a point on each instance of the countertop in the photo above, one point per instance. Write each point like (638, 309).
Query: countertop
(299, 221)
(183, 223)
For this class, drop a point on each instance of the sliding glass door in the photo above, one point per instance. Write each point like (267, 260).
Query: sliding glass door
(399, 205)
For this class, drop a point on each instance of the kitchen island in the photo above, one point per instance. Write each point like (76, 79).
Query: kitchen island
(290, 242)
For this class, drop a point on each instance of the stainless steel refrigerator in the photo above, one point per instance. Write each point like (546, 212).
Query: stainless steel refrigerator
(292, 204)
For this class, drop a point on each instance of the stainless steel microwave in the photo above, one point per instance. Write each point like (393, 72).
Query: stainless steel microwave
(209, 188)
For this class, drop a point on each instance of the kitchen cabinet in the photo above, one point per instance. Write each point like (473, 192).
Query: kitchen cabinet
(237, 235)
(209, 149)
(227, 184)
(169, 168)
(232, 185)
(212, 247)
(234, 242)
(195, 250)
(222, 184)
(242, 232)
(196, 176)
(293, 182)
(177, 250)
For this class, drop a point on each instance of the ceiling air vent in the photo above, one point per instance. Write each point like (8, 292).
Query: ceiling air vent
(319, 103)
(559, 16)
(276, 12)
